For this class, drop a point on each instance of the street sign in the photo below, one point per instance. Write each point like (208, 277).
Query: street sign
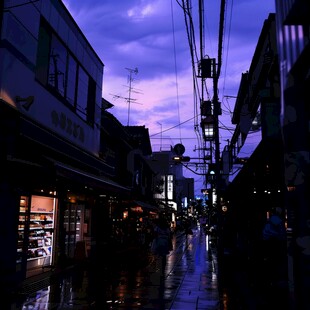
(179, 149)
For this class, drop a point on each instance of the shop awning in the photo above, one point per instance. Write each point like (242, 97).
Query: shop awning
(145, 206)
(55, 145)
(88, 178)
(166, 207)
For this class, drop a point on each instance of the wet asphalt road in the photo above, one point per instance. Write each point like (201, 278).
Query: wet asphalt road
(190, 281)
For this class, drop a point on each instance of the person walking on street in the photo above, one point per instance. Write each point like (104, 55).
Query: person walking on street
(188, 227)
(162, 242)
(202, 224)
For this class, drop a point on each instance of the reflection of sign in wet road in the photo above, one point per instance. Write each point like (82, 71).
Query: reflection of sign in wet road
(190, 280)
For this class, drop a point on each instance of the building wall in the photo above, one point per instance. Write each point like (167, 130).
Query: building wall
(257, 181)
(49, 140)
(30, 34)
(293, 28)
(170, 179)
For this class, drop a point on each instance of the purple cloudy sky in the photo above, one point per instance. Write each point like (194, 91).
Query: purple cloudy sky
(150, 35)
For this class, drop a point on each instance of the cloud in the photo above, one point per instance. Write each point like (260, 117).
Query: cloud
(151, 35)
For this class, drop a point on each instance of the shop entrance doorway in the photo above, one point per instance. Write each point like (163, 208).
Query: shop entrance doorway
(73, 219)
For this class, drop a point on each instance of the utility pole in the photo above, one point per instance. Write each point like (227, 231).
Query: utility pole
(206, 72)
(217, 112)
(202, 46)
(216, 103)
(209, 69)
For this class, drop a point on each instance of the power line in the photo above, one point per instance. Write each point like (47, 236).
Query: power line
(175, 68)
(170, 128)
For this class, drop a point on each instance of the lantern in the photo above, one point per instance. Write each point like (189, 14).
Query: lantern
(207, 125)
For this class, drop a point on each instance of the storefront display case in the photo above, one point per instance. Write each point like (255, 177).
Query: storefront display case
(36, 230)
(23, 220)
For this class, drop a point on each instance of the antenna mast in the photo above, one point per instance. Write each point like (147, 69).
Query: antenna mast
(130, 90)
(130, 80)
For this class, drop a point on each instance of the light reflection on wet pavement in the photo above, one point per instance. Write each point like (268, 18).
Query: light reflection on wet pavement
(190, 282)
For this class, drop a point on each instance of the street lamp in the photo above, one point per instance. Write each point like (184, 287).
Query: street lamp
(207, 125)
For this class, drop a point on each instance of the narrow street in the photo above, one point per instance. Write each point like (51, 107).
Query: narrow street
(190, 282)
(193, 280)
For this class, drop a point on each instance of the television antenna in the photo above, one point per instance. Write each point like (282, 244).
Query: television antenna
(131, 90)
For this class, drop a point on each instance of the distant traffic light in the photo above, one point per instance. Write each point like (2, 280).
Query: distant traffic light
(181, 158)
(212, 168)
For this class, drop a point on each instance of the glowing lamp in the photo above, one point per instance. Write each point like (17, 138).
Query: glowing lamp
(207, 125)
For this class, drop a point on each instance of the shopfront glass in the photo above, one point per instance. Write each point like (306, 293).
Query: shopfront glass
(73, 217)
(36, 231)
